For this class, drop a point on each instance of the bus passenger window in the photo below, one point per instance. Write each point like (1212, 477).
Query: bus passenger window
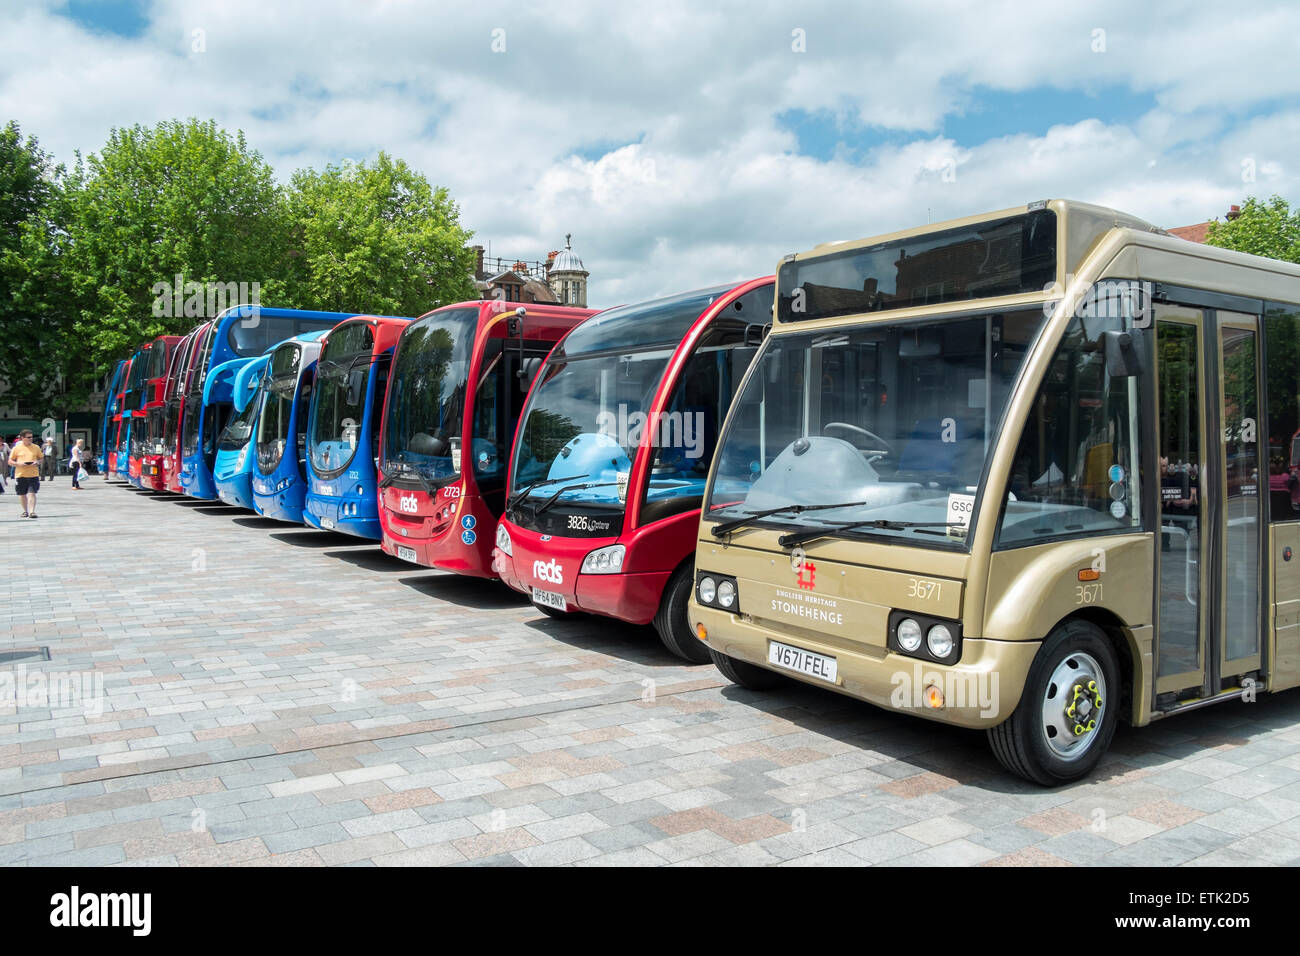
(1077, 467)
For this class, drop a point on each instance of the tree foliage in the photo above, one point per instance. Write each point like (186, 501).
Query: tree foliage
(1264, 228)
(377, 238)
(85, 252)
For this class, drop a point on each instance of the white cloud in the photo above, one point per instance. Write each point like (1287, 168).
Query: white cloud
(700, 181)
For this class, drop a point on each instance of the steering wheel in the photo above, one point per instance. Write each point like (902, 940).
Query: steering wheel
(884, 447)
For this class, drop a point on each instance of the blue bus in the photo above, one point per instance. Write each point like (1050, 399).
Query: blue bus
(243, 331)
(280, 437)
(347, 412)
(107, 424)
(232, 470)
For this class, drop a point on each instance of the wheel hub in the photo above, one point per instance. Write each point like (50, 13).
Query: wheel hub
(1073, 705)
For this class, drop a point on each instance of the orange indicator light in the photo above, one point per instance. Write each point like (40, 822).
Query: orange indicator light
(933, 697)
(1088, 574)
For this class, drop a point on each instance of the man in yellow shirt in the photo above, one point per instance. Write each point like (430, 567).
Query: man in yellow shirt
(25, 459)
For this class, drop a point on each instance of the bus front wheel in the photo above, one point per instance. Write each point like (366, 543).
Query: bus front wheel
(1068, 710)
(670, 620)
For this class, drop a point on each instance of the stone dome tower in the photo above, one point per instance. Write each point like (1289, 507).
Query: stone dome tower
(567, 277)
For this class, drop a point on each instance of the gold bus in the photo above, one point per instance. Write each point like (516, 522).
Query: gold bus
(1007, 472)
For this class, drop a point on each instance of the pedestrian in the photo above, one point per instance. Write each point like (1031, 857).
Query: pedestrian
(4, 462)
(74, 462)
(50, 463)
(25, 459)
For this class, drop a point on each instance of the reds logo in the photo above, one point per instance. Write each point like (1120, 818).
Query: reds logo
(408, 504)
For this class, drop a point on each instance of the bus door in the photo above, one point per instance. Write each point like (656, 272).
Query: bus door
(1210, 561)
(508, 368)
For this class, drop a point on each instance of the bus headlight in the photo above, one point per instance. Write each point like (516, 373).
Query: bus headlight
(939, 641)
(717, 590)
(909, 635)
(604, 560)
(243, 457)
(708, 590)
(503, 540)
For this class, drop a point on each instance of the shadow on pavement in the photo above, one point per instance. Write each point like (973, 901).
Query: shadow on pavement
(251, 520)
(370, 559)
(311, 538)
(465, 591)
(633, 643)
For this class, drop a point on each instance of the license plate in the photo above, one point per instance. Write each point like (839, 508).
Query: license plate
(327, 522)
(406, 554)
(549, 599)
(802, 662)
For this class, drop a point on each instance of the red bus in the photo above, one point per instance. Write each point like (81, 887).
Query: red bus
(613, 452)
(146, 441)
(188, 354)
(458, 382)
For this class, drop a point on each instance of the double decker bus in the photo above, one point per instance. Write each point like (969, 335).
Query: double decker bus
(343, 426)
(612, 454)
(105, 457)
(458, 383)
(242, 331)
(232, 469)
(146, 437)
(1004, 472)
(279, 475)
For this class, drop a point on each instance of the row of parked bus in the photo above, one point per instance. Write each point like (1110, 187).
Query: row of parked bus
(1004, 472)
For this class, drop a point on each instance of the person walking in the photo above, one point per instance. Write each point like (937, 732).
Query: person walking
(4, 462)
(74, 462)
(25, 459)
(50, 463)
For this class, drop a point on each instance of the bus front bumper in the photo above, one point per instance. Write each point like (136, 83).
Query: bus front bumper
(980, 691)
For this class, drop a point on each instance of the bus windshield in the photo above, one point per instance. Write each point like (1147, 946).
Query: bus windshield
(422, 434)
(588, 414)
(879, 429)
(342, 378)
(273, 423)
(235, 435)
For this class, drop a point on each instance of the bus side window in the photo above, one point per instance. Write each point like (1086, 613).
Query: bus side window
(1080, 439)
(1282, 339)
(377, 407)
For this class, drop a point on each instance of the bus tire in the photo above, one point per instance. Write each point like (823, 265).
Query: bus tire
(746, 675)
(1054, 736)
(670, 620)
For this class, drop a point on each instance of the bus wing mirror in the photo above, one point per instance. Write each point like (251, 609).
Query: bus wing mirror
(1123, 356)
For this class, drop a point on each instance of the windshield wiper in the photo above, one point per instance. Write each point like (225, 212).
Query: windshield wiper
(882, 524)
(409, 471)
(551, 500)
(725, 527)
(519, 496)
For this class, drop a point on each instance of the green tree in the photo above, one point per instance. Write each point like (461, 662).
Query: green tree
(377, 238)
(35, 324)
(183, 199)
(1263, 229)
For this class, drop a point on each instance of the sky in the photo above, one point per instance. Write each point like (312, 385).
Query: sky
(686, 144)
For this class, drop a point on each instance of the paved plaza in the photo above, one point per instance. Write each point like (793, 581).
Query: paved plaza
(239, 691)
